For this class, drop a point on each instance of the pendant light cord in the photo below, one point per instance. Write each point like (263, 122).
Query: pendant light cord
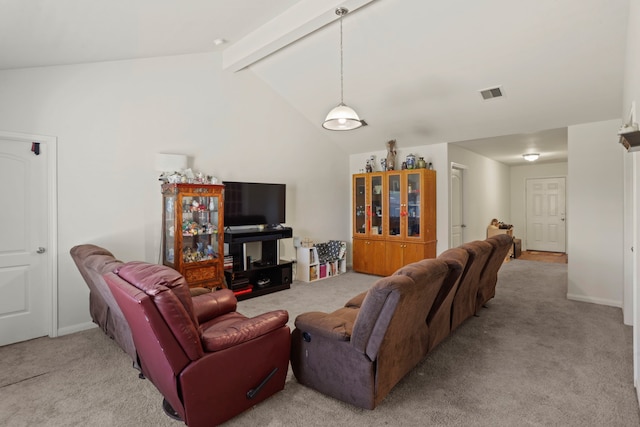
(341, 11)
(341, 60)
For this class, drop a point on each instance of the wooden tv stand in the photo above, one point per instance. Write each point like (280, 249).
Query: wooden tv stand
(269, 274)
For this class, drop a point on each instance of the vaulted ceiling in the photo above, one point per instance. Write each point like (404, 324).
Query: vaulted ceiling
(413, 69)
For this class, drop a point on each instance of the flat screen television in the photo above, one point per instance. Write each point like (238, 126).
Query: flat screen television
(254, 203)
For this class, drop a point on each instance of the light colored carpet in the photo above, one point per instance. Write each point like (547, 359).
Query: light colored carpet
(532, 358)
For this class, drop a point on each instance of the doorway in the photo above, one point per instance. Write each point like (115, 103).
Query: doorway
(457, 235)
(545, 210)
(28, 291)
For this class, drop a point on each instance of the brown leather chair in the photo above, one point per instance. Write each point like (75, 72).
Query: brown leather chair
(464, 303)
(500, 245)
(439, 318)
(208, 361)
(93, 262)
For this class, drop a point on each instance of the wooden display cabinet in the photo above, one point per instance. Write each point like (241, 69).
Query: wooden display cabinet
(396, 217)
(192, 216)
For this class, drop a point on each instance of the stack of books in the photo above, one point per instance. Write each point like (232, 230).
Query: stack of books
(228, 262)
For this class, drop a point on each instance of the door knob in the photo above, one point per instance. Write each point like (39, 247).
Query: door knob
(41, 250)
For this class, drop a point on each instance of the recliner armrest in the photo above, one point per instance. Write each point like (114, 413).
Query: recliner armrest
(218, 337)
(356, 302)
(328, 325)
(214, 304)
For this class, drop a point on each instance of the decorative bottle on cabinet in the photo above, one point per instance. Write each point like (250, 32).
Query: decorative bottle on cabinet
(192, 215)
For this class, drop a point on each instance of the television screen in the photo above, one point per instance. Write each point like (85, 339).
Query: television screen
(253, 203)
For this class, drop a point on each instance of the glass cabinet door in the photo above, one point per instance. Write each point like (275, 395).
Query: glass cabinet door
(395, 209)
(169, 229)
(199, 228)
(359, 206)
(413, 198)
(376, 206)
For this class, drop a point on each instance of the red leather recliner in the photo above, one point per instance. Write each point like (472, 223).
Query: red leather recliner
(208, 361)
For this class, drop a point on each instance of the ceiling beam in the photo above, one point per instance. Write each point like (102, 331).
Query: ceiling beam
(300, 20)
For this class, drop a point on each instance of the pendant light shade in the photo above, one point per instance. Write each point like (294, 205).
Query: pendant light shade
(342, 117)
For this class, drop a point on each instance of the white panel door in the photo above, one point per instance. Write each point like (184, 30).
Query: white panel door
(546, 214)
(457, 221)
(24, 298)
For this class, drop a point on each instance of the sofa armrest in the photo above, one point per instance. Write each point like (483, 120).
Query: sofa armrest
(220, 336)
(330, 325)
(213, 304)
(356, 302)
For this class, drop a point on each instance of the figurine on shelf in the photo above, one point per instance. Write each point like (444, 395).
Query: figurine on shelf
(372, 162)
(411, 161)
(187, 254)
(391, 154)
(383, 164)
(368, 167)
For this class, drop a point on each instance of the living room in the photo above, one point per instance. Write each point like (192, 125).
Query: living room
(109, 119)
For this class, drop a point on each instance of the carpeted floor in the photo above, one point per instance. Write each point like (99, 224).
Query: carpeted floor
(532, 358)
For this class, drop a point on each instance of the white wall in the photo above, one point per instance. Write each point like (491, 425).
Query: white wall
(111, 118)
(436, 154)
(519, 176)
(595, 203)
(486, 193)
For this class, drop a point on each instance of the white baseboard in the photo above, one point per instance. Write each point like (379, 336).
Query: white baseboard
(594, 300)
(76, 328)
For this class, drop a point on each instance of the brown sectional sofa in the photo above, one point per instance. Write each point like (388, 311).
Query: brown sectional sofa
(359, 352)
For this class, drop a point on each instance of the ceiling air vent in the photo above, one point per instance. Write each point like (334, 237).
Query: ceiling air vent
(494, 92)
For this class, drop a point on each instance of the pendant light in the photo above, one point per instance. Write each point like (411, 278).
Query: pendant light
(342, 117)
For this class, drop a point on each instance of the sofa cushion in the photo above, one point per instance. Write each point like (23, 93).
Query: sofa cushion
(337, 325)
(233, 328)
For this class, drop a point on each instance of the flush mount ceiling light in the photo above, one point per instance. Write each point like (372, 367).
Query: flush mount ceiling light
(342, 117)
(531, 157)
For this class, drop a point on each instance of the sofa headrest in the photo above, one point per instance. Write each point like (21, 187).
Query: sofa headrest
(95, 258)
(423, 271)
(477, 248)
(501, 240)
(457, 255)
(154, 279)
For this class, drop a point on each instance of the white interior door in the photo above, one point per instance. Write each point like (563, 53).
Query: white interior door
(457, 221)
(546, 214)
(25, 302)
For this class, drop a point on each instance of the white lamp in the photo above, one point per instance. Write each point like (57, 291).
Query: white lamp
(342, 117)
(531, 157)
